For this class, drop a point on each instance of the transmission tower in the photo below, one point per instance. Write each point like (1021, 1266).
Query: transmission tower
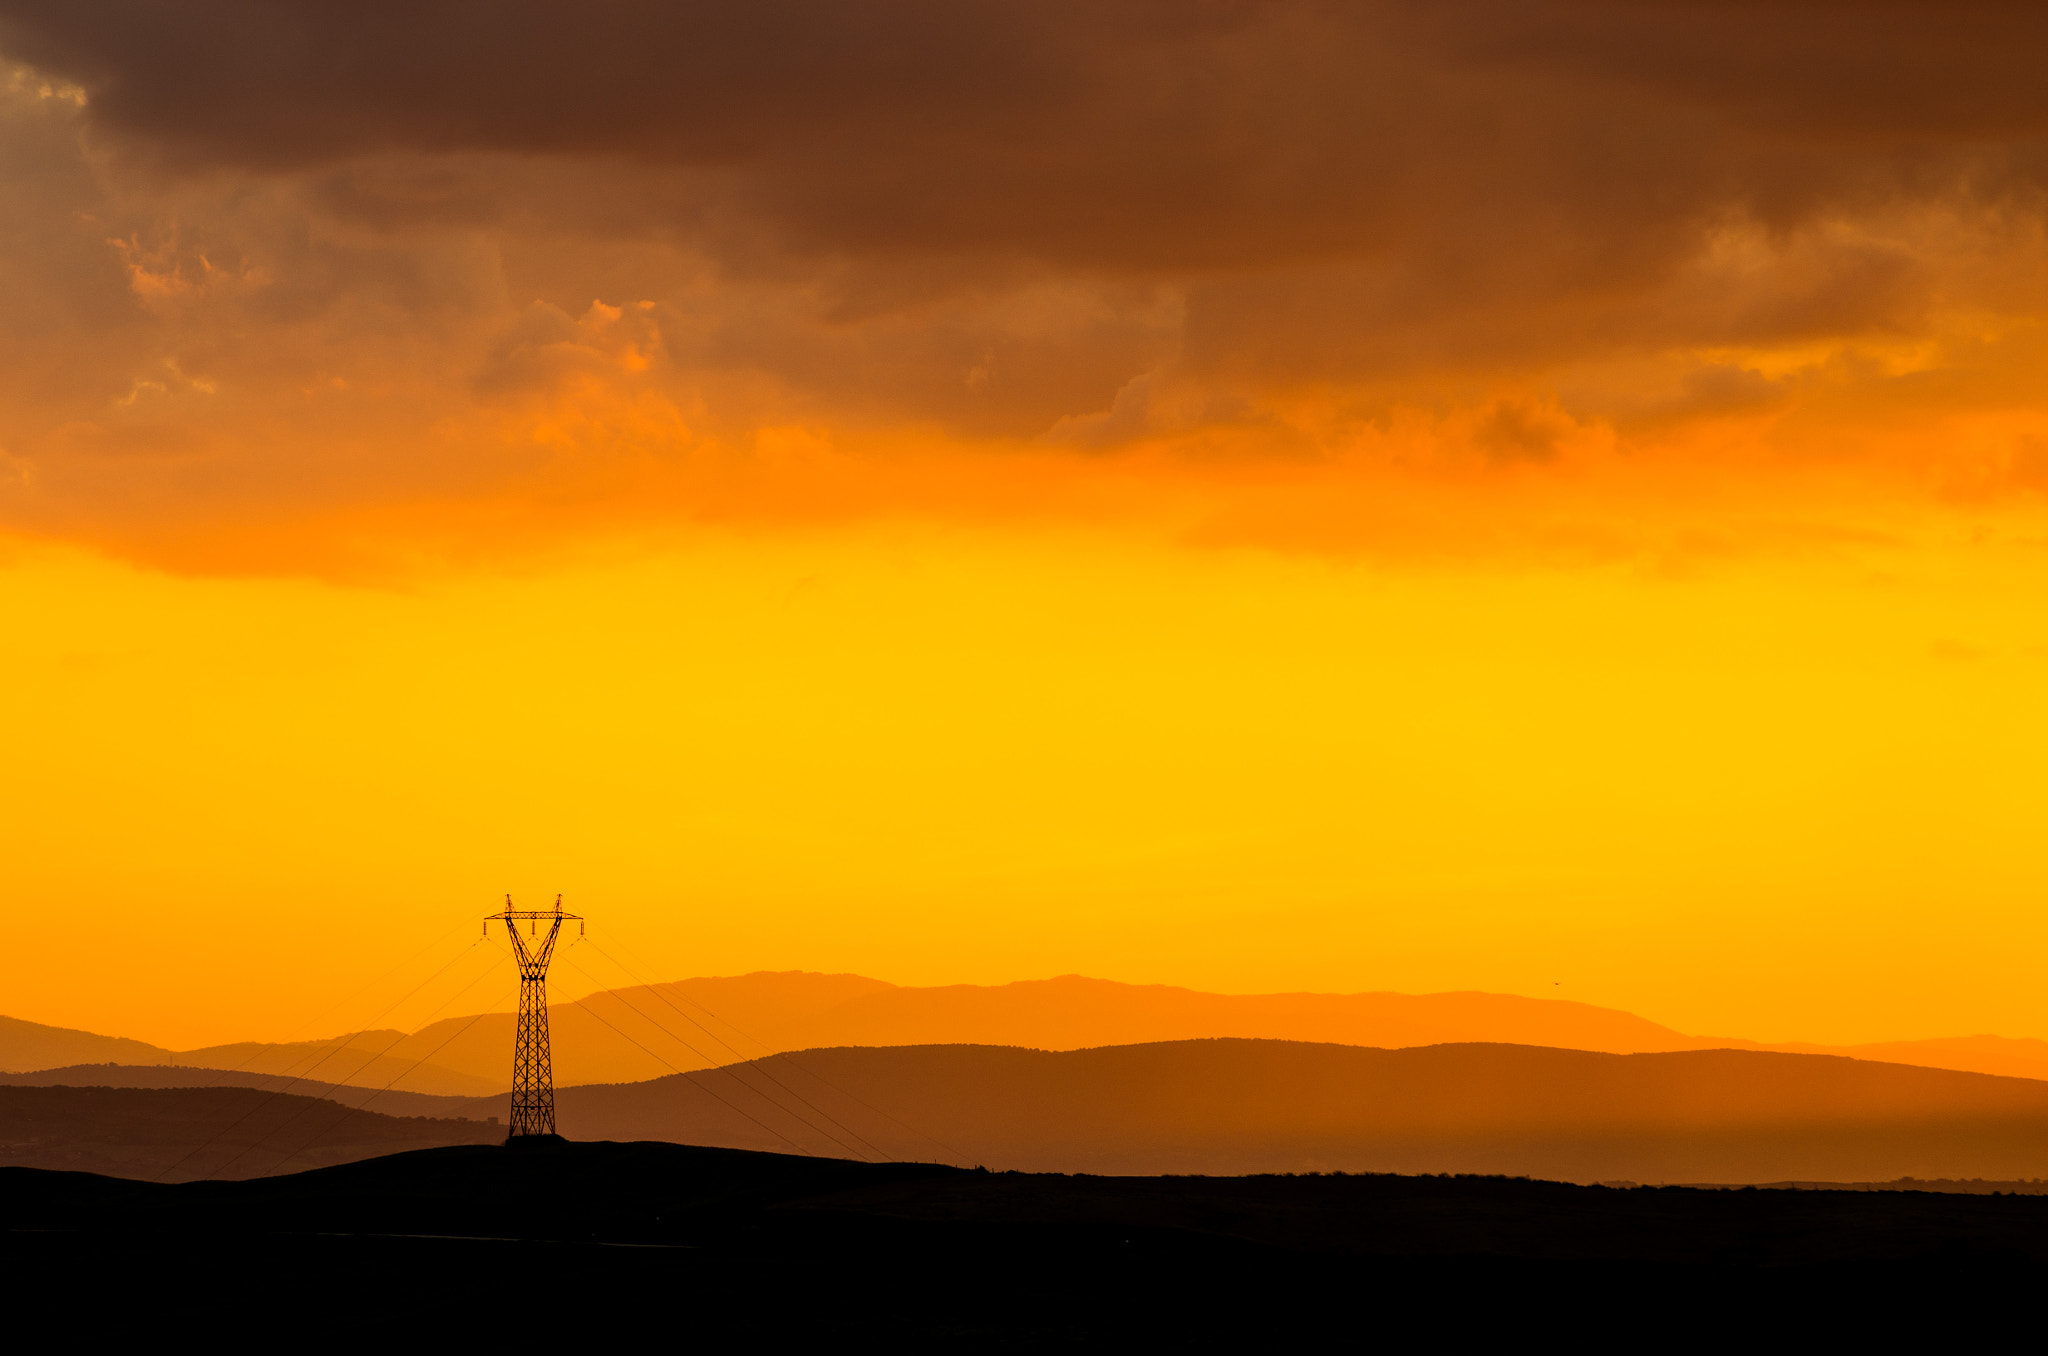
(533, 1070)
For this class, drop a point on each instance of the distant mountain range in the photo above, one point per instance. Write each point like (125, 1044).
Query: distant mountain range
(1243, 1106)
(1226, 1106)
(358, 1059)
(383, 1101)
(634, 1034)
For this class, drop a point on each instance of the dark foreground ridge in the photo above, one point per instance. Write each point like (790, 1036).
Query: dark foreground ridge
(580, 1238)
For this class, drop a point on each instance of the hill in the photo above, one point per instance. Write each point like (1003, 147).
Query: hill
(632, 1034)
(627, 1035)
(2013, 1057)
(645, 1032)
(26, 1046)
(371, 1059)
(388, 1101)
(183, 1134)
(1242, 1106)
(366, 1059)
(766, 1249)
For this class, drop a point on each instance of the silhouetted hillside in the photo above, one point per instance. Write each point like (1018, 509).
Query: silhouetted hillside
(1235, 1106)
(388, 1101)
(183, 1134)
(634, 1034)
(766, 1249)
(653, 1192)
(2006, 1055)
(640, 1033)
(26, 1046)
(1964, 1186)
(631, 1034)
(367, 1059)
(359, 1059)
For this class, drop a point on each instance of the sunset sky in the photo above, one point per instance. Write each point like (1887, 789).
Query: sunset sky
(1545, 497)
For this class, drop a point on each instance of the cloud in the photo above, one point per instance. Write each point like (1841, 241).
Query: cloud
(546, 349)
(1514, 430)
(1132, 134)
(397, 250)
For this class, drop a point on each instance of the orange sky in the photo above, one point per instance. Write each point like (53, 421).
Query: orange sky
(1265, 496)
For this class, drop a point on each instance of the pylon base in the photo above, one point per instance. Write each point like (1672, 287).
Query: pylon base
(533, 1141)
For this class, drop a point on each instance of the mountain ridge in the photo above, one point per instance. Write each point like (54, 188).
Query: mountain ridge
(1221, 1106)
(640, 1032)
(1233, 1106)
(358, 1059)
(384, 1101)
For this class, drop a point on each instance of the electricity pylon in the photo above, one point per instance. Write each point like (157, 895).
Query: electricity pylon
(533, 1070)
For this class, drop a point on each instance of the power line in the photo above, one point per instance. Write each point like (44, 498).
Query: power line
(714, 1094)
(750, 1063)
(716, 1067)
(729, 1069)
(756, 1061)
(278, 1092)
(343, 1042)
(359, 1068)
(354, 1110)
(788, 1056)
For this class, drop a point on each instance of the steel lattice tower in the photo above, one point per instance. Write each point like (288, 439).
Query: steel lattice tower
(533, 1070)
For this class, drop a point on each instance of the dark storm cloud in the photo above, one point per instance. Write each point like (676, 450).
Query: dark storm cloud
(1114, 133)
(327, 253)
